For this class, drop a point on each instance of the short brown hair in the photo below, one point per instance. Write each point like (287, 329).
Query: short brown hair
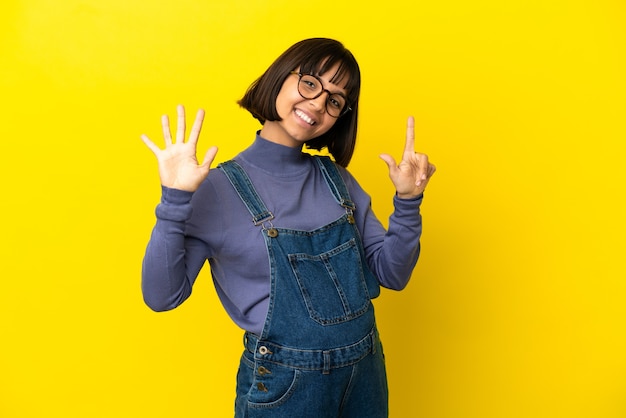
(312, 56)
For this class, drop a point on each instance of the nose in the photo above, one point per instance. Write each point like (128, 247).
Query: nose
(319, 103)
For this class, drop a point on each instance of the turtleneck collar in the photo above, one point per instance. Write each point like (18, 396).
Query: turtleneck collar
(275, 159)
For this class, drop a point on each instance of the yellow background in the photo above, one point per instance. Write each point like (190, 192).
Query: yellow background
(518, 305)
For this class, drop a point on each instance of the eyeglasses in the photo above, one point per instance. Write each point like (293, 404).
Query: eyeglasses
(311, 87)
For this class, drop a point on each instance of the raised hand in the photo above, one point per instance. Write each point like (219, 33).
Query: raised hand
(412, 174)
(178, 165)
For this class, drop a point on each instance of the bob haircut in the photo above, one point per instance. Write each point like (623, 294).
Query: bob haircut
(312, 56)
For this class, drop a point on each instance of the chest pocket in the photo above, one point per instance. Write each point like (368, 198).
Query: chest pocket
(332, 284)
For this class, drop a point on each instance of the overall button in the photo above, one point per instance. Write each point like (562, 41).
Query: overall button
(260, 386)
(272, 233)
(263, 350)
(263, 371)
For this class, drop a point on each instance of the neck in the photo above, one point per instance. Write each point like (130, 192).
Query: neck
(273, 132)
(273, 157)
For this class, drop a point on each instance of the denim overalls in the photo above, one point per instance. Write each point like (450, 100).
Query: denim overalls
(318, 354)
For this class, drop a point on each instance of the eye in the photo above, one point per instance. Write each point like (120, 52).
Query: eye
(310, 83)
(337, 101)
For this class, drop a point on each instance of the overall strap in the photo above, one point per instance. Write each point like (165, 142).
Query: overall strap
(335, 182)
(242, 184)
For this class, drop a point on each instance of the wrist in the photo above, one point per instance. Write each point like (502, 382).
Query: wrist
(175, 196)
(409, 196)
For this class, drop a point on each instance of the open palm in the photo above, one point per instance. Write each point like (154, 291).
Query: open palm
(178, 165)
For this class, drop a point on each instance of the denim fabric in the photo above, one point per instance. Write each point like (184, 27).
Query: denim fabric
(319, 354)
(355, 390)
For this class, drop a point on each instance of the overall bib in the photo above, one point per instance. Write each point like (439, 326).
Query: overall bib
(319, 354)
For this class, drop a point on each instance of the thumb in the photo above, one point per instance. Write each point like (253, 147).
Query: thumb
(209, 156)
(391, 162)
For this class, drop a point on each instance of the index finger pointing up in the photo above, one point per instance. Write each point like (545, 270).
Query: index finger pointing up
(410, 135)
(180, 130)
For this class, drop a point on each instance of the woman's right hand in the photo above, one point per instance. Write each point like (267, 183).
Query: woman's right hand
(178, 165)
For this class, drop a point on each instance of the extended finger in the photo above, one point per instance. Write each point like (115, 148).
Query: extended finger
(165, 125)
(150, 144)
(209, 156)
(197, 127)
(180, 124)
(409, 145)
(391, 163)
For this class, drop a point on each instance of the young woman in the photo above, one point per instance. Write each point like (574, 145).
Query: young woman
(296, 252)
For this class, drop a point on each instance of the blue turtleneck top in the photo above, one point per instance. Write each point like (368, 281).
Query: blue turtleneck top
(213, 224)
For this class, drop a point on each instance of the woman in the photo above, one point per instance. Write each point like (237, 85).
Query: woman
(296, 252)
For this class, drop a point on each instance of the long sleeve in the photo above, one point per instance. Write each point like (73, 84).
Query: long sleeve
(172, 260)
(393, 253)
(393, 261)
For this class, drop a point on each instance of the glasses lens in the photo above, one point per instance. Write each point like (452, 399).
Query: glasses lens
(310, 87)
(335, 105)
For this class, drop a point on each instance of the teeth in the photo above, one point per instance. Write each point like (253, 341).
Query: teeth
(304, 117)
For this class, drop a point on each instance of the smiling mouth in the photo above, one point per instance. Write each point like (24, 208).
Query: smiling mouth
(304, 117)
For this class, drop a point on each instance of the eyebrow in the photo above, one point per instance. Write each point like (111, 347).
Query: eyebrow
(343, 91)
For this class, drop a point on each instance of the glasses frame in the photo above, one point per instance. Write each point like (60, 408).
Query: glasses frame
(345, 110)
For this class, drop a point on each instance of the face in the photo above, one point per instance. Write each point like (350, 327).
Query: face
(302, 119)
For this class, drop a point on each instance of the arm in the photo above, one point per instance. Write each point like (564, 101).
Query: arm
(396, 255)
(392, 254)
(172, 260)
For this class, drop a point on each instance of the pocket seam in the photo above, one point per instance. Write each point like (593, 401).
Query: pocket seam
(283, 398)
(351, 246)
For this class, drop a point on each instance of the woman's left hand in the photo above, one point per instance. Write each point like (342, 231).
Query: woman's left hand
(412, 174)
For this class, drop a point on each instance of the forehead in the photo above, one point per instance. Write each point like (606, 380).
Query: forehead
(338, 86)
(332, 71)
